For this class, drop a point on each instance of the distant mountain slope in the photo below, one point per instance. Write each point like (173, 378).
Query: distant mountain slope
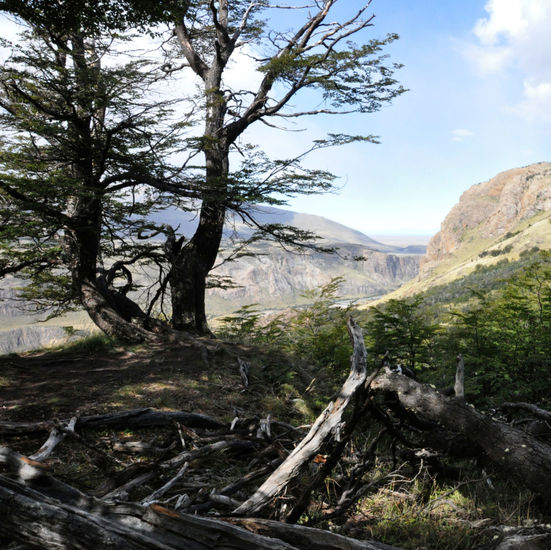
(330, 231)
(494, 220)
(278, 278)
(489, 210)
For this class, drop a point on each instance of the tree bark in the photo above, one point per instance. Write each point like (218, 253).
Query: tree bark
(190, 268)
(517, 454)
(79, 522)
(307, 537)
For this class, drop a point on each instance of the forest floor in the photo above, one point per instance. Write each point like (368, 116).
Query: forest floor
(91, 378)
(411, 508)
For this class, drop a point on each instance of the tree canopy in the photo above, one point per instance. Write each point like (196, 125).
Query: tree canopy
(86, 143)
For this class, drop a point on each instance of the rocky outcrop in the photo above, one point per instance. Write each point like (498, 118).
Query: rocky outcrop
(491, 209)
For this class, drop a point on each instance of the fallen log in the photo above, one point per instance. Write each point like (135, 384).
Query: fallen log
(307, 537)
(515, 452)
(46, 513)
(30, 517)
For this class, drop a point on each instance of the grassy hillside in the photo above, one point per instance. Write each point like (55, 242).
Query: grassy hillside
(476, 253)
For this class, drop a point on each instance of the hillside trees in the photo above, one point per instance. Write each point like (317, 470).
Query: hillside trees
(402, 327)
(504, 336)
(316, 61)
(80, 142)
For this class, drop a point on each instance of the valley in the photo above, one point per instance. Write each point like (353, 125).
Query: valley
(500, 220)
(272, 278)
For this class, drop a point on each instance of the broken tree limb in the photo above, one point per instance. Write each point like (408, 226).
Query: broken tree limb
(78, 522)
(57, 435)
(325, 427)
(187, 456)
(30, 517)
(459, 387)
(243, 371)
(534, 410)
(166, 487)
(136, 418)
(307, 537)
(516, 453)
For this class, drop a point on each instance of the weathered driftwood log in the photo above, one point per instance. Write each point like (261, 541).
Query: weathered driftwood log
(41, 511)
(516, 453)
(136, 418)
(328, 425)
(307, 537)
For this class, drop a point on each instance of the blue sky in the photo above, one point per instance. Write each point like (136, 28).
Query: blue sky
(479, 75)
(479, 102)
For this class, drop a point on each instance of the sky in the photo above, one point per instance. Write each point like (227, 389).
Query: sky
(479, 102)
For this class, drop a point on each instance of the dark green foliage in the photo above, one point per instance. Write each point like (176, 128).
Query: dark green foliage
(318, 332)
(65, 16)
(79, 141)
(402, 328)
(506, 337)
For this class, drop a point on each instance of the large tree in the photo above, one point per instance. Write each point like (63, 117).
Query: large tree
(76, 111)
(82, 142)
(314, 66)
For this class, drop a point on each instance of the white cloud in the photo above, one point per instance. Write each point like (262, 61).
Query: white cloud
(460, 134)
(536, 103)
(514, 39)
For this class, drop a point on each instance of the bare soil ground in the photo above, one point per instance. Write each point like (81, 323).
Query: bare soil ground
(44, 385)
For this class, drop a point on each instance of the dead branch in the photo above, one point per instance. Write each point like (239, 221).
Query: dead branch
(38, 513)
(137, 418)
(534, 410)
(306, 537)
(459, 387)
(327, 427)
(57, 435)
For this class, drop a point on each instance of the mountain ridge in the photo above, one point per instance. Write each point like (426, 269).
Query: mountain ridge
(496, 220)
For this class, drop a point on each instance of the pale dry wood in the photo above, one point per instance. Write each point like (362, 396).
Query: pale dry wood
(307, 537)
(327, 426)
(459, 387)
(188, 456)
(156, 495)
(30, 517)
(57, 435)
(122, 492)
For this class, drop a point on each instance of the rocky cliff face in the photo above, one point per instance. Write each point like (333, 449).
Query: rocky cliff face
(279, 278)
(30, 337)
(491, 209)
